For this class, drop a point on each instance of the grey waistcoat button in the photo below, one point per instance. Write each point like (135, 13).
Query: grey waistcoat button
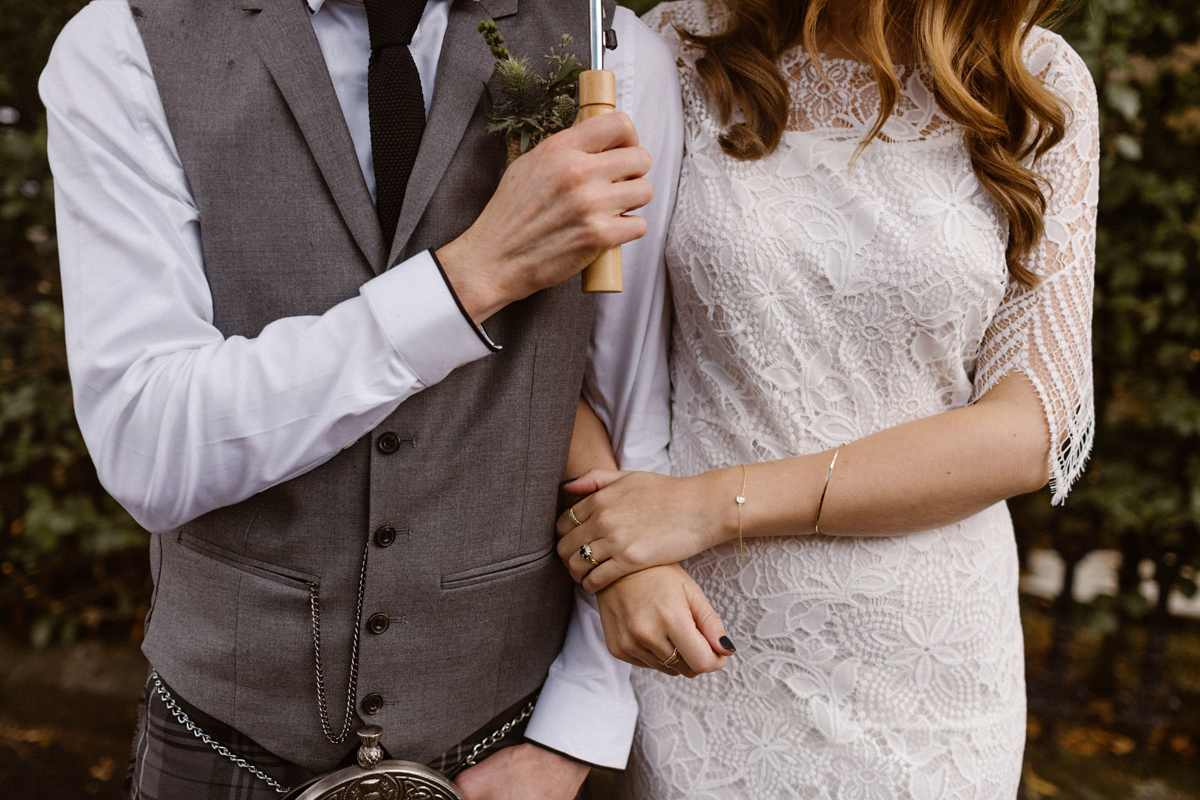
(388, 443)
(385, 536)
(372, 704)
(378, 623)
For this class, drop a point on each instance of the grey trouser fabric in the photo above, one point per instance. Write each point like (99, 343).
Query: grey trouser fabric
(170, 763)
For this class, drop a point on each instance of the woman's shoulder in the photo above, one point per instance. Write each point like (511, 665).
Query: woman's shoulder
(1049, 57)
(704, 17)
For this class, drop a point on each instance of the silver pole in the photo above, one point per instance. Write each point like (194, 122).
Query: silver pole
(597, 15)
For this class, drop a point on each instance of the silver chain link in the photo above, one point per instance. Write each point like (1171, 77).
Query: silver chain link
(220, 749)
(352, 687)
(351, 695)
(499, 734)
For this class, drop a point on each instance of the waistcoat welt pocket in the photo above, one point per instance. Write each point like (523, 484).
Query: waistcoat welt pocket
(271, 572)
(499, 570)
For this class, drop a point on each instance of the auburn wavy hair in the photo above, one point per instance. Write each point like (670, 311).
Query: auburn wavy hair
(973, 51)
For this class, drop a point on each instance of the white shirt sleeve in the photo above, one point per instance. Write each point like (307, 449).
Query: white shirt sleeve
(587, 709)
(179, 419)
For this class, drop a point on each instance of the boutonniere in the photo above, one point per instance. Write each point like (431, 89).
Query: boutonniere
(528, 106)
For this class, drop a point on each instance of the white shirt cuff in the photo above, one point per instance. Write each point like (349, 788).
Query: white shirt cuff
(587, 709)
(422, 319)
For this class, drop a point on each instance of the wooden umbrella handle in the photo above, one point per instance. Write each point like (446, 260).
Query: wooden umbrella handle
(598, 95)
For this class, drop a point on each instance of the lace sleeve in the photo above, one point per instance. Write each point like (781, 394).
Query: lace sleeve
(694, 16)
(1045, 333)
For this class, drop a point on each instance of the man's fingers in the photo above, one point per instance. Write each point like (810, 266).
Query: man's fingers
(624, 164)
(601, 133)
(627, 196)
(624, 230)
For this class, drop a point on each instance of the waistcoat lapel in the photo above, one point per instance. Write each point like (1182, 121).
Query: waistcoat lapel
(464, 66)
(284, 38)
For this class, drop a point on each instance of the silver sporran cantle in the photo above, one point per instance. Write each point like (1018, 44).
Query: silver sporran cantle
(377, 779)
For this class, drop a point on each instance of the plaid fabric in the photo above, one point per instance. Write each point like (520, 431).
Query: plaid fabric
(169, 762)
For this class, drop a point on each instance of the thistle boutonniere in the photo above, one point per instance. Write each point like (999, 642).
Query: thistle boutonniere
(528, 106)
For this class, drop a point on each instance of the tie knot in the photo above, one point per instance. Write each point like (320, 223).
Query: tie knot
(393, 22)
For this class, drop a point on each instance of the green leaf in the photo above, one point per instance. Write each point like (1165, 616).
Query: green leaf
(1124, 99)
(42, 632)
(1128, 146)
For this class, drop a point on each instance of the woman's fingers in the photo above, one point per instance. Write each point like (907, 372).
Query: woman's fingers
(592, 481)
(678, 664)
(707, 621)
(577, 560)
(639, 521)
(659, 661)
(603, 574)
(650, 620)
(668, 637)
(694, 648)
(573, 518)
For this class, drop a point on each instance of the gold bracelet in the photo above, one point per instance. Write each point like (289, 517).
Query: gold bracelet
(821, 502)
(741, 501)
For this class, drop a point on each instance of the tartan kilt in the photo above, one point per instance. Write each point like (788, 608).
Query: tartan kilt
(169, 762)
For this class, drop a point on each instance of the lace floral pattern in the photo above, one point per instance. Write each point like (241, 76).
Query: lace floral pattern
(817, 304)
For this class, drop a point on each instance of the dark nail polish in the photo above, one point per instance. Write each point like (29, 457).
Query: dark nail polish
(728, 644)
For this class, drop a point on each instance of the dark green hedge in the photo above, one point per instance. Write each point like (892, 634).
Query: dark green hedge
(74, 564)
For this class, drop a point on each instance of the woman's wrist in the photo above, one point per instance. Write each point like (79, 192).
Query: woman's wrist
(768, 510)
(717, 493)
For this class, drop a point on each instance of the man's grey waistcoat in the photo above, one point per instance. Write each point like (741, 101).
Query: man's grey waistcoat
(464, 473)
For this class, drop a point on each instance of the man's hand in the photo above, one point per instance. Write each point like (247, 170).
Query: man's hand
(522, 772)
(650, 614)
(557, 208)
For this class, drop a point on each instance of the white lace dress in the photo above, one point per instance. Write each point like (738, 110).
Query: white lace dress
(814, 306)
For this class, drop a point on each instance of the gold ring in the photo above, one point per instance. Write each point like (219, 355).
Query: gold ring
(672, 659)
(585, 552)
(571, 516)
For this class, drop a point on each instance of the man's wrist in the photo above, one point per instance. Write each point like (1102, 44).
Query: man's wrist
(475, 293)
(417, 315)
(476, 325)
(583, 765)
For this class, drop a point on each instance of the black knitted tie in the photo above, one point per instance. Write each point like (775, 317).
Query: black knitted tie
(395, 102)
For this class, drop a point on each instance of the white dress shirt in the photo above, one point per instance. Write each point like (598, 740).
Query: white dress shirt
(180, 420)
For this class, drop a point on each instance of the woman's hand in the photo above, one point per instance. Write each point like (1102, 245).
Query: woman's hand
(651, 614)
(639, 520)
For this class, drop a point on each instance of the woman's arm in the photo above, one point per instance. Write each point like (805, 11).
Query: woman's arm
(664, 599)
(590, 445)
(913, 477)
(1031, 420)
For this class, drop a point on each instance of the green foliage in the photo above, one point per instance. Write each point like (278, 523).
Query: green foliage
(528, 107)
(639, 7)
(71, 560)
(73, 563)
(1142, 489)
